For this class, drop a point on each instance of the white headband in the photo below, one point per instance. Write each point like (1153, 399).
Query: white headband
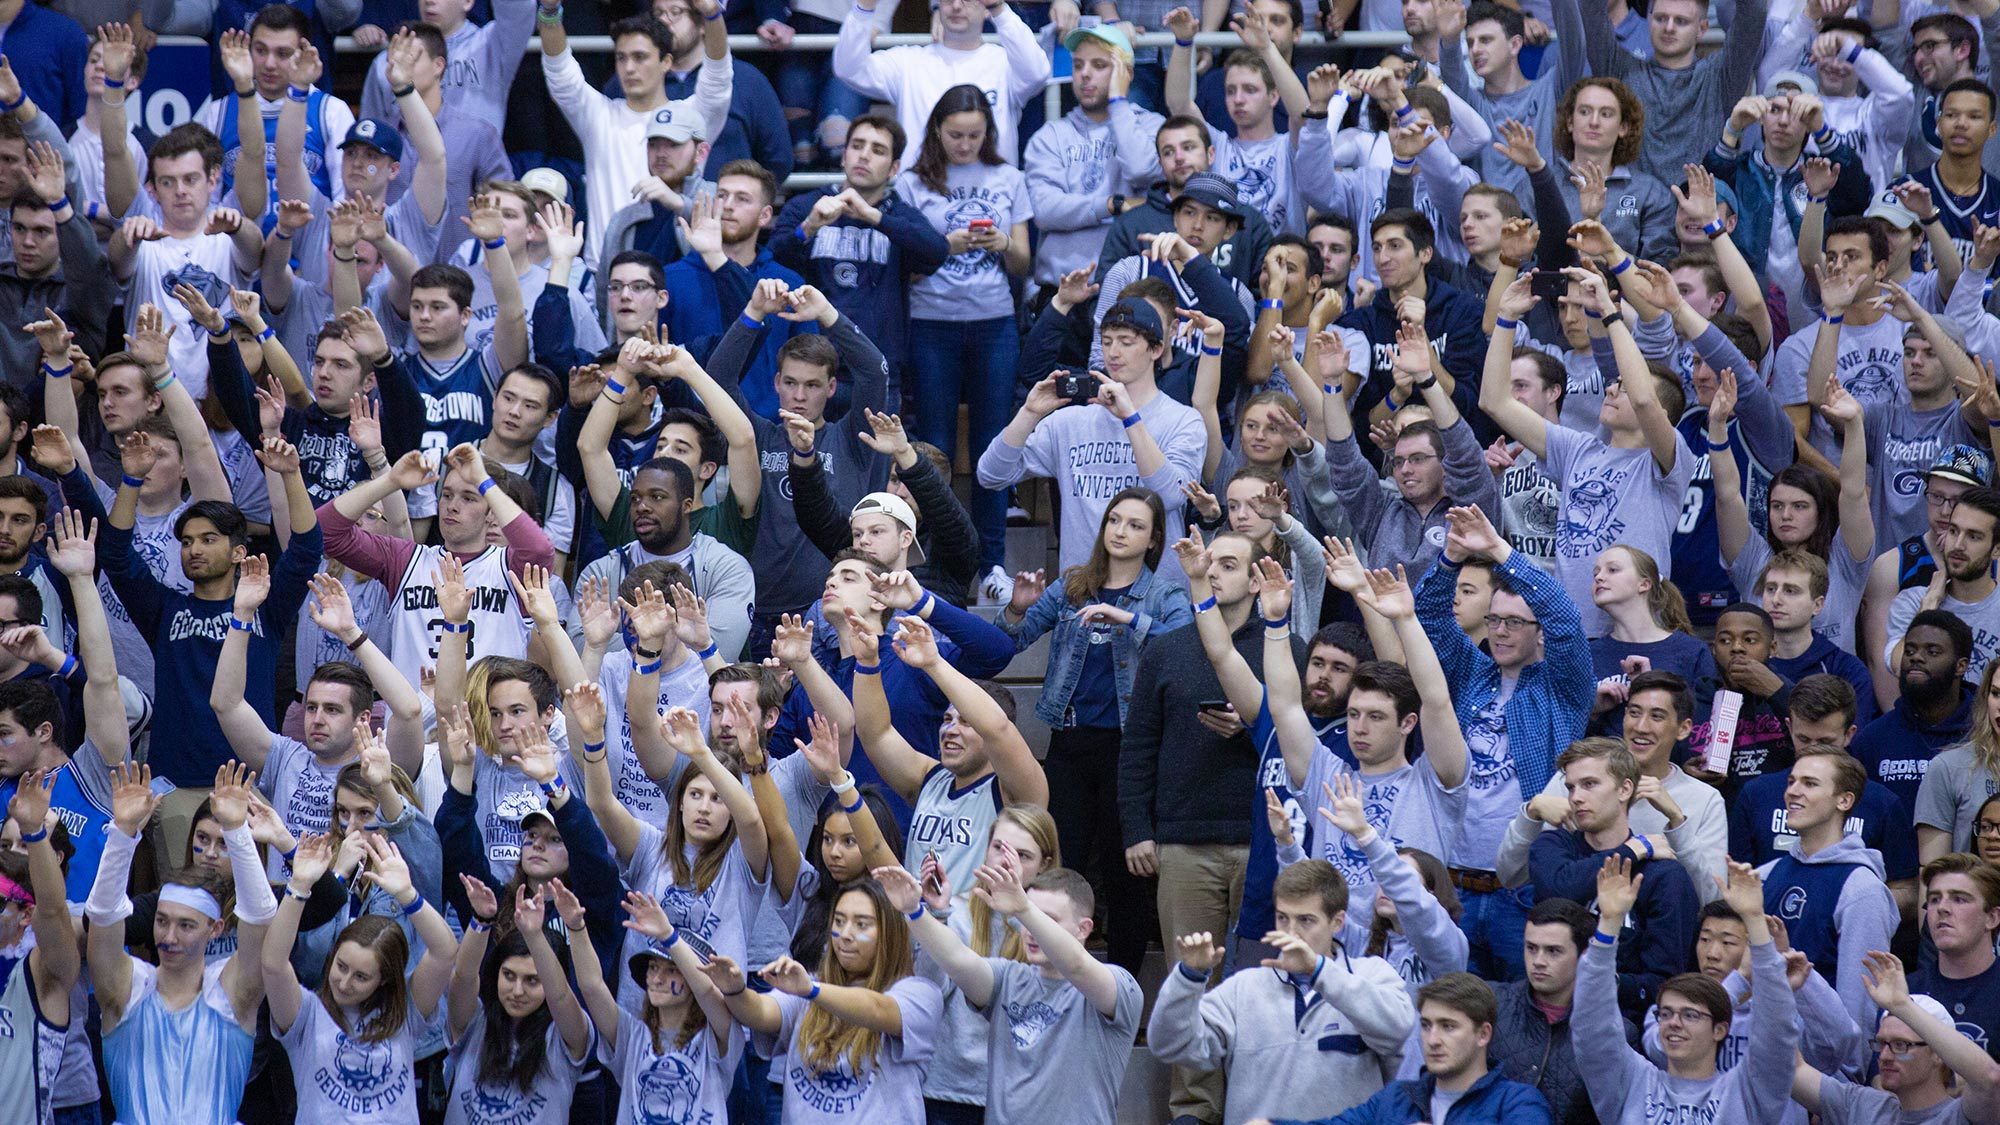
(194, 898)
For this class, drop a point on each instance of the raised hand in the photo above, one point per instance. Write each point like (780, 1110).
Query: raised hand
(312, 858)
(682, 730)
(387, 870)
(1274, 590)
(455, 736)
(648, 616)
(791, 641)
(51, 450)
(1294, 955)
(132, 796)
(585, 704)
(1883, 977)
(1000, 888)
(802, 432)
(937, 883)
(690, 619)
(1618, 888)
(568, 907)
(1076, 288)
(1278, 819)
(887, 436)
(253, 586)
(1472, 532)
(1343, 566)
(72, 544)
(454, 596)
(53, 335)
(1840, 408)
(593, 607)
(229, 802)
(224, 220)
(532, 587)
(807, 303)
(1590, 189)
(1203, 500)
(147, 342)
(1517, 144)
(529, 910)
(1192, 554)
(1389, 593)
(483, 219)
(916, 644)
(1820, 176)
(485, 906)
(278, 455)
(904, 892)
(1200, 952)
(234, 48)
(30, 807)
(413, 470)
(1698, 198)
(1744, 892)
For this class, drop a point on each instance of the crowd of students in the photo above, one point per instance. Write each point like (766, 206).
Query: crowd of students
(498, 639)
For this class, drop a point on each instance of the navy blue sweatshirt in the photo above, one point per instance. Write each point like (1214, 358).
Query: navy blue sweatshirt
(1452, 321)
(593, 870)
(1897, 748)
(1659, 934)
(187, 632)
(1823, 657)
(329, 461)
(865, 271)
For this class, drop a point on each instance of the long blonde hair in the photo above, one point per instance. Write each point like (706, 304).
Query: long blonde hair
(1041, 828)
(1984, 740)
(1663, 600)
(822, 1037)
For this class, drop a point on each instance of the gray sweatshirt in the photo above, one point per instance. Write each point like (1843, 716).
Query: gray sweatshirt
(1088, 453)
(484, 59)
(1685, 109)
(1289, 1050)
(1075, 165)
(1392, 529)
(790, 569)
(1534, 105)
(1627, 1089)
(1864, 918)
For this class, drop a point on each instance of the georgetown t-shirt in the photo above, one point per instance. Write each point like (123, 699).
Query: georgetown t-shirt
(1953, 789)
(344, 1081)
(1492, 789)
(300, 788)
(1611, 497)
(972, 285)
(888, 1090)
(677, 1084)
(1052, 1056)
(719, 915)
(1408, 806)
(545, 1102)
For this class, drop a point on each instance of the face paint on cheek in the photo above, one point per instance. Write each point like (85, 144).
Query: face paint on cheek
(371, 169)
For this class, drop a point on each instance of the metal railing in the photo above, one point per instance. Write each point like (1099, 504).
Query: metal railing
(1052, 97)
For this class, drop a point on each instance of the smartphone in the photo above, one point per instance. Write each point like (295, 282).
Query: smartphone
(980, 226)
(1216, 705)
(1549, 285)
(755, 982)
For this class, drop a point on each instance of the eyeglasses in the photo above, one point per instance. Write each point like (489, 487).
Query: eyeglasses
(1805, 745)
(1922, 46)
(1683, 1016)
(636, 288)
(1940, 500)
(1509, 624)
(1414, 460)
(1986, 829)
(1899, 1049)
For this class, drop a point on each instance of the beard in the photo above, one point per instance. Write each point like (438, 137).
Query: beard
(1928, 692)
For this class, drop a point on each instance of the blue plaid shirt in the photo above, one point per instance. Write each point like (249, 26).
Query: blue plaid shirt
(1551, 701)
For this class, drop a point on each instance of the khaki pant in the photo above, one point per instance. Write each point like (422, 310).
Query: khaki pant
(1201, 888)
(173, 823)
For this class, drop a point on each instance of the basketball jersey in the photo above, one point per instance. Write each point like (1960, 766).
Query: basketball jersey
(31, 1048)
(177, 1068)
(85, 810)
(954, 822)
(187, 350)
(498, 628)
(314, 156)
(458, 398)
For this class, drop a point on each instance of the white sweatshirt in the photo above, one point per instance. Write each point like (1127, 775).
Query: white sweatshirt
(913, 78)
(614, 134)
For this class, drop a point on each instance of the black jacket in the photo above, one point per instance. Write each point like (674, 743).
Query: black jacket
(1531, 1050)
(946, 534)
(1177, 782)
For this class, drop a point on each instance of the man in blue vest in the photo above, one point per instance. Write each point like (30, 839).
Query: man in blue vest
(1828, 889)
(277, 34)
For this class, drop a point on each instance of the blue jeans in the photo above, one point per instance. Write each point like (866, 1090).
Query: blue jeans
(1495, 924)
(805, 82)
(974, 360)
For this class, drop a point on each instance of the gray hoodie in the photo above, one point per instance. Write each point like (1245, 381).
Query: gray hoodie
(1864, 916)
(1290, 1050)
(1074, 166)
(1627, 1089)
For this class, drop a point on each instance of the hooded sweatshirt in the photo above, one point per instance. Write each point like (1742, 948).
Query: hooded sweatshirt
(1661, 928)
(1289, 1046)
(1835, 907)
(1075, 165)
(1824, 656)
(1627, 1089)
(1898, 747)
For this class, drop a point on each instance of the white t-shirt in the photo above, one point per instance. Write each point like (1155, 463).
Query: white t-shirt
(678, 1084)
(300, 787)
(344, 1081)
(889, 1090)
(187, 350)
(972, 285)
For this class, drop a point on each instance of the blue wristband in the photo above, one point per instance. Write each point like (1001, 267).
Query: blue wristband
(1603, 939)
(1284, 623)
(648, 669)
(916, 914)
(487, 485)
(497, 244)
(474, 926)
(853, 808)
(590, 748)
(1206, 350)
(1269, 303)
(68, 666)
(1714, 229)
(1836, 318)
(924, 604)
(298, 94)
(17, 103)
(282, 235)
(814, 994)
(861, 669)
(58, 372)
(711, 650)
(1623, 266)
(614, 386)
(1406, 111)
(461, 627)
(1854, 53)
(110, 85)
(750, 322)
(1820, 199)
(1205, 605)
(416, 906)
(800, 230)
(554, 787)
(35, 837)
(1402, 165)
(267, 334)
(130, 481)
(59, 204)
(1504, 324)
(236, 622)
(1134, 420)
(1183, 43)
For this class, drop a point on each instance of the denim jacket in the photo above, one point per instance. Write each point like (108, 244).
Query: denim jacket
(1157, 605)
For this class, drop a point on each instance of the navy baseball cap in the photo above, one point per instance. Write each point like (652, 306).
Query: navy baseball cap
(376, 134)
(1211, 191)
(1135, 313)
